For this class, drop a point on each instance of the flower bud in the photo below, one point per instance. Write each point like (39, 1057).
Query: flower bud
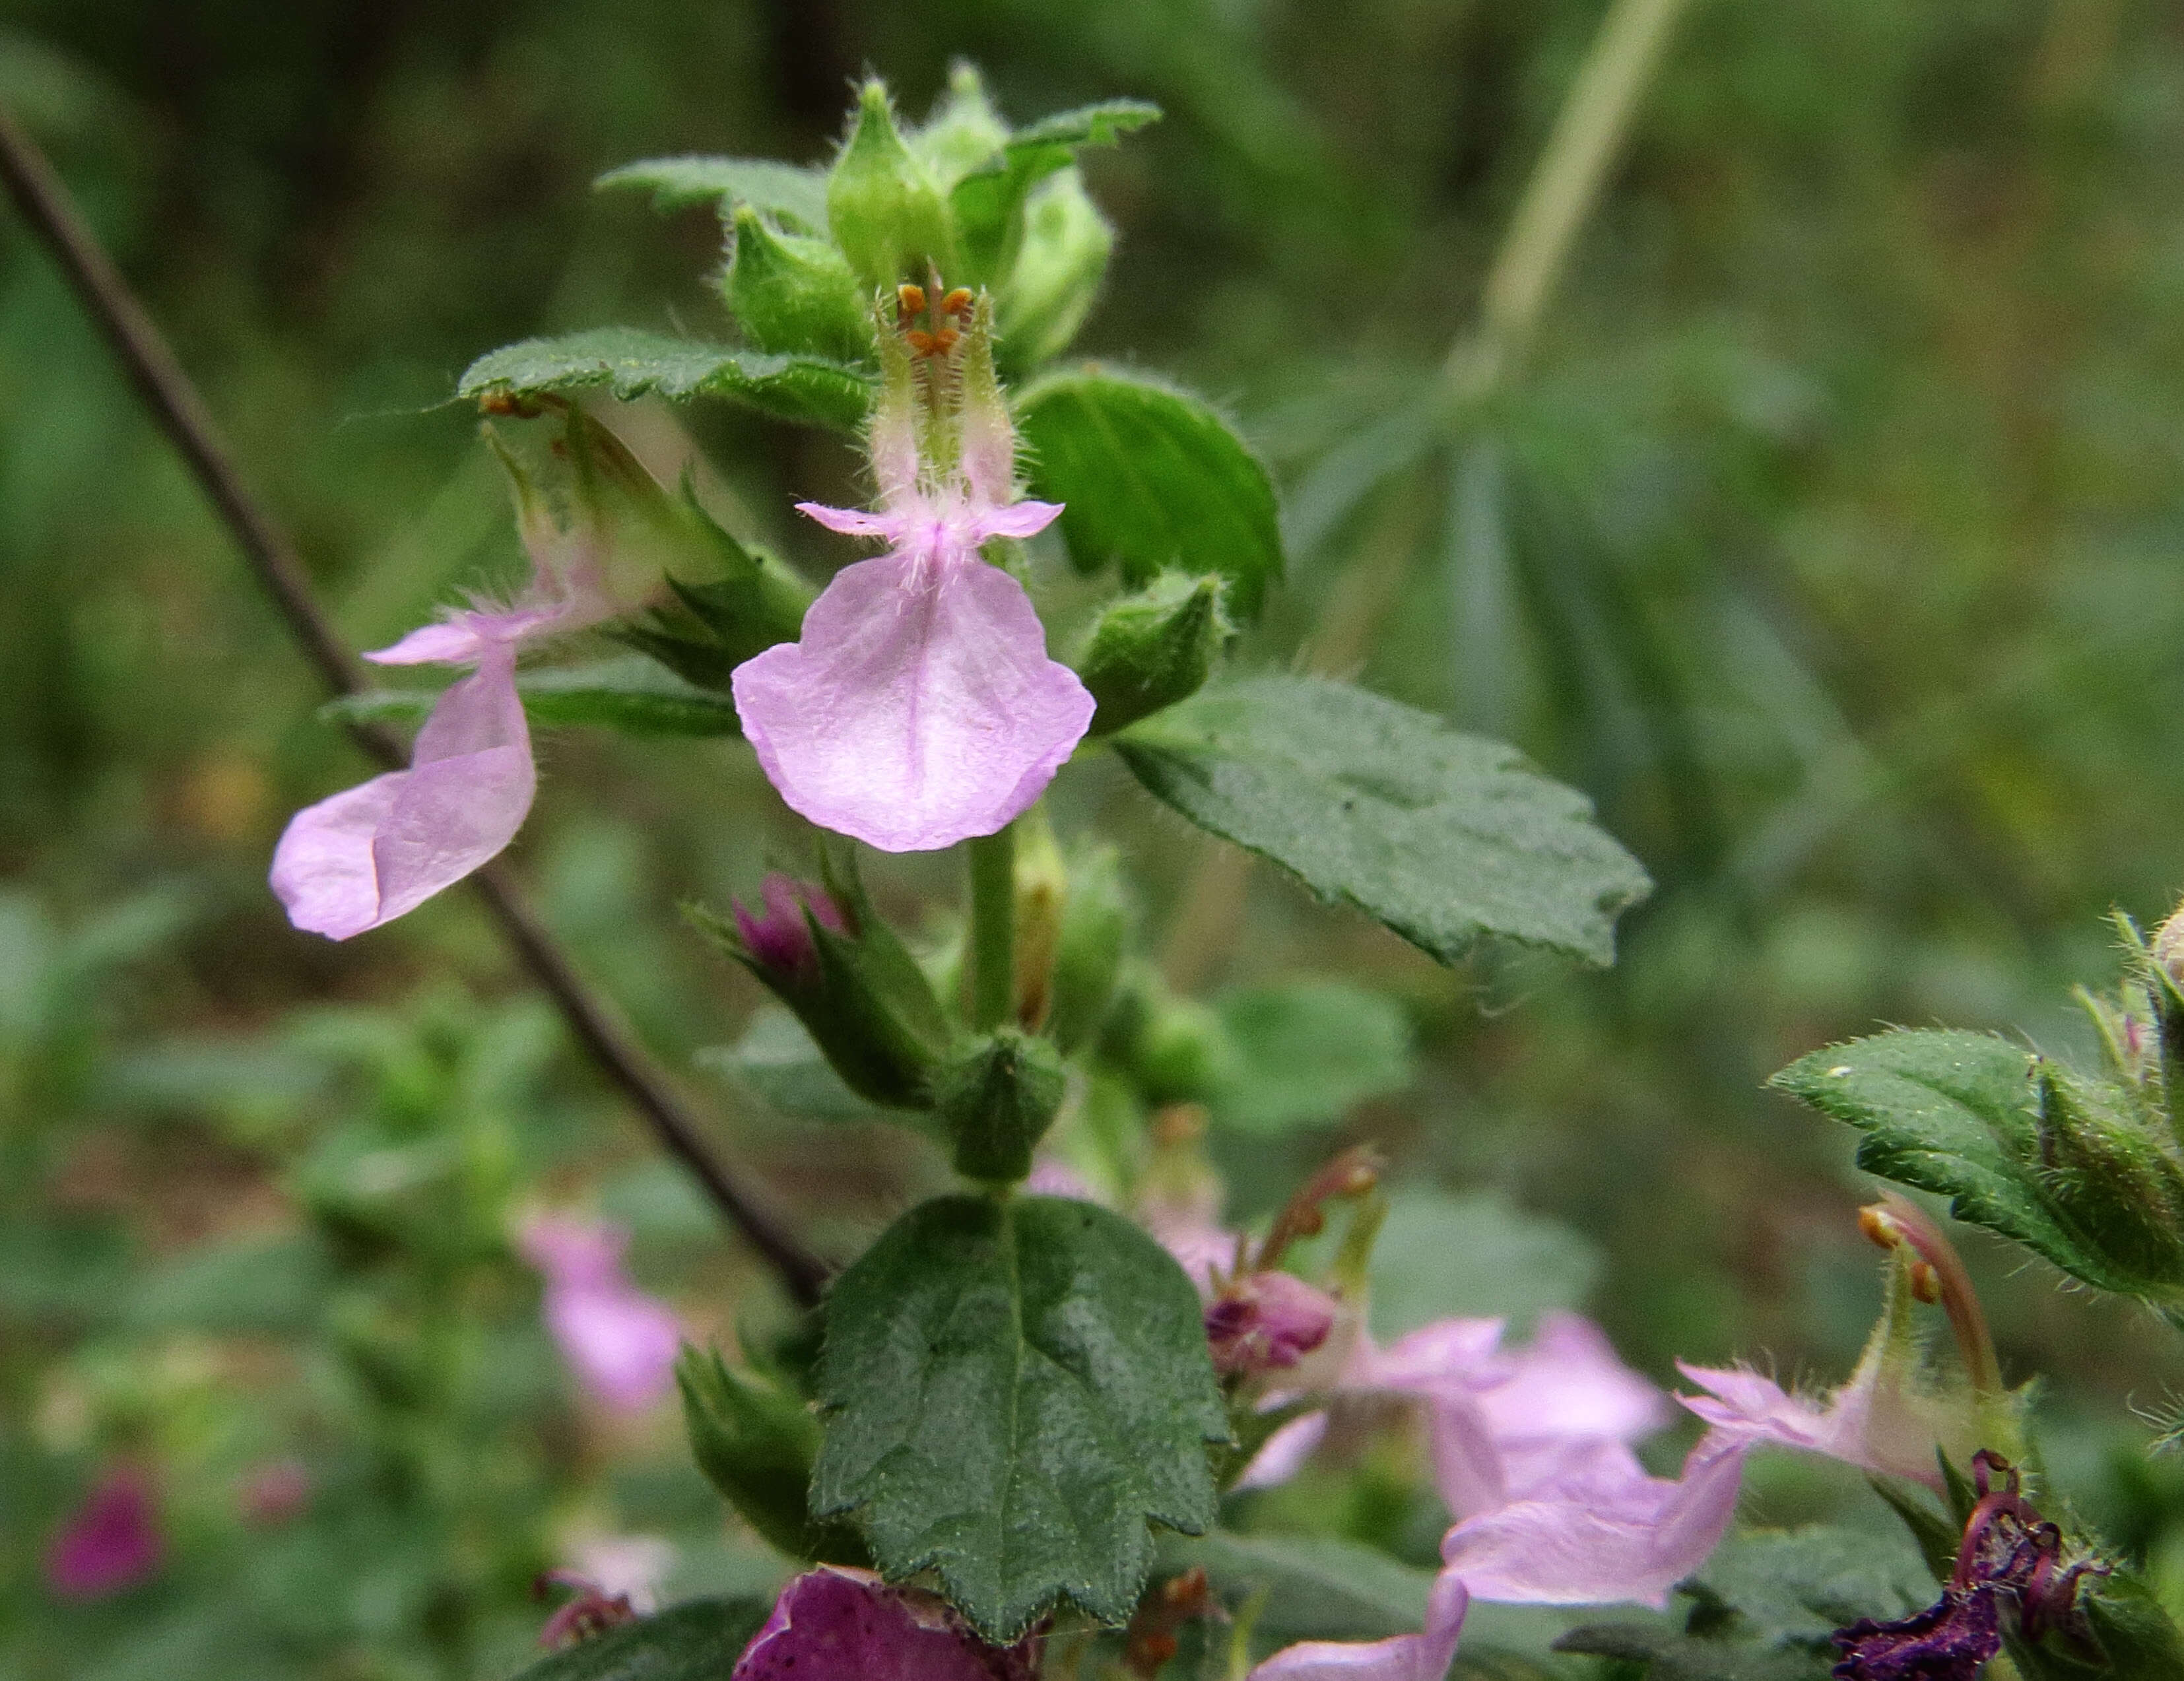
(795, 295)
(2120, 1186)
(1178, 1050)
(1042, 901)
(851, 981)
(1055, 279)
(964, 130)
(757, 1444)
(882, 206)
(997, 1098)
(777, 937)
(1266, 1322)
(1152, 650)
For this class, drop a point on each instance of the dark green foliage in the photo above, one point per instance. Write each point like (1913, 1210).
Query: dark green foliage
(629, 363)
(1443, 837)
(997, 1096)
(1151, 480)
(1970, 1117)
(1013, 1391)
(698, 1641)
(1149, 650)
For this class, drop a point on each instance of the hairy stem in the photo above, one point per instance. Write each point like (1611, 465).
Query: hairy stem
(181, 414)
(993, 860)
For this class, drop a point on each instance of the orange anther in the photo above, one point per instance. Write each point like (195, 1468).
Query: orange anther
(944, 341)
(957, 302)
(909, 303)
(1925, 1283)
(1880, 1227)
(919, 341)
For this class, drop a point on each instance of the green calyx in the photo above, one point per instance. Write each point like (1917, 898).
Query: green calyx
(885, 210)
(997, 1097)
(1153, 648)
(1055, 279)
(756, 1444)
(793, 294)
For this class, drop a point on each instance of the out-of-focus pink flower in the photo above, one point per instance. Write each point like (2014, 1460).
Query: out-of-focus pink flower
(112, 1544)
(1266, 1322)
(626, 1567)
(378, 851)
(777, 935)
(918, 708)
(1894, 1416)
(275, 1493)
(1424, 1657)
(1597, 1529)
(837, 1624)
(622, 1342)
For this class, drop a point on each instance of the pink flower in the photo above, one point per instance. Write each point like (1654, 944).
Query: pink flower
(1895, 1415)
(1424, 1657)
(622, 1341)
(1596, 1528)
(918, 708)
(378, 851)
(837, 1624)
(112, 1544)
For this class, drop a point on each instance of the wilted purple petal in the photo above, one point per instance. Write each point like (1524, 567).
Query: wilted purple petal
(112, 1544)
(837, 1624)
(1604, 1532)
(372, 853)
(622, 1342)
(1424, 1657)
(1950, 1640)
(918, 709)
(1268, 1322)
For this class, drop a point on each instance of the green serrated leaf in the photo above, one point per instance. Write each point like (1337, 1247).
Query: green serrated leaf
(697, 1640)
(788, 192)
(637, 696)
(1953, 1113)
(987, 202)
(1444, 836)
(631, 363)
(1152, 479)
(1013, 1392)
(1307, 1052)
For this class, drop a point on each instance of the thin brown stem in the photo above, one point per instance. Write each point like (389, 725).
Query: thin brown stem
(180, 412)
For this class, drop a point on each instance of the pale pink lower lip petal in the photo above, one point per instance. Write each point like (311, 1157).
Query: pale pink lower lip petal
(915, 710)
(365, 856)
(322, 869)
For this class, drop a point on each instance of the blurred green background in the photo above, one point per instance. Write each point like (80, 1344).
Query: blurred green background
(1831, 542)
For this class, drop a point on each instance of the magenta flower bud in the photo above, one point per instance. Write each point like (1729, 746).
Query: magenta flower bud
(837, 1624)
(1266, 1322)
(112, 1544)
(776, 936)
